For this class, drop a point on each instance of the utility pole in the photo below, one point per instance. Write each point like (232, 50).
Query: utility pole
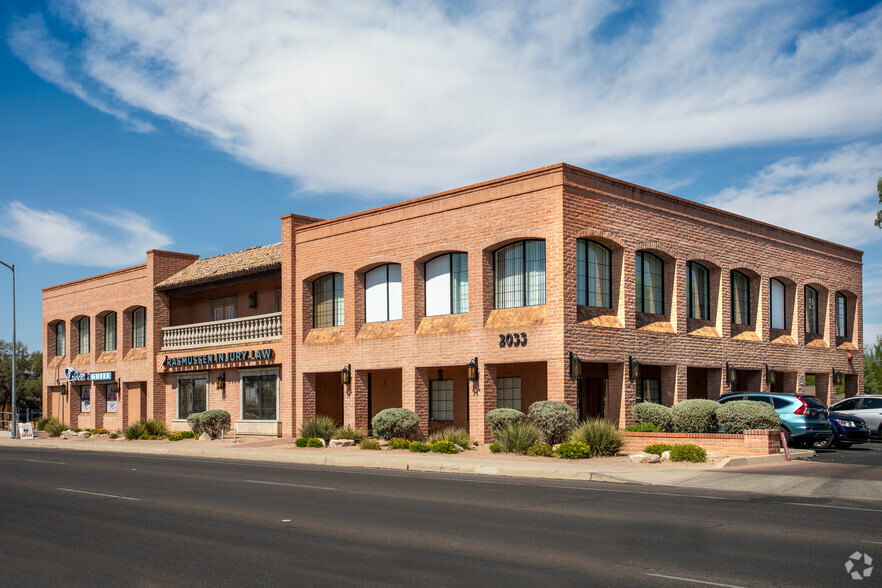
(14, 345)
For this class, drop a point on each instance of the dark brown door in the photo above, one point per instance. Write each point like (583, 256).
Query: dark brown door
(592, 398)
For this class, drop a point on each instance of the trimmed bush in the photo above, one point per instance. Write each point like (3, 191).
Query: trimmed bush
(419, 447)
(650, 412)
(54, 427)
(443, 446)
(688, 452)
(396, 422)
(314, 442)
(349, 432)
(499, 417)
(695, 416)
(300, 442)
(456, 435)
(320, 426)
(135, 431)
(658, 448)
(398, 443)
(742, 415)
(573, 450)
(555, 419)
(212, 422)
(517, 437)
(539, 449)
(369, 444)
(642, 428)
(600, 435)
(494, 448)
(156, 428)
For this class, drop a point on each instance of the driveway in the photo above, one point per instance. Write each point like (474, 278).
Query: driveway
(865, 454)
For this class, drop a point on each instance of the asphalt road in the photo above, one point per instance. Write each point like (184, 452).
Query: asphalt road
(866, 454)
(80, 518)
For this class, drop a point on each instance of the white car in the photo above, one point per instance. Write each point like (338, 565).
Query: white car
(868, 408)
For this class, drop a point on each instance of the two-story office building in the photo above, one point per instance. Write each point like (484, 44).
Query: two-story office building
(557, 283)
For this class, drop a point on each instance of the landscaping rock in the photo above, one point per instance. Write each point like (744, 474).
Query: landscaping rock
(643, 457)
(342, 443)
(84, 434)
(666, 456)
(205, 437)
(68, 434)
(458, 448)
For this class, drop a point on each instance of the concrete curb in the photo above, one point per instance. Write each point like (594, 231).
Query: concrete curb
(733, 462)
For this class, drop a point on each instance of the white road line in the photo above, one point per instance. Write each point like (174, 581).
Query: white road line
(695, 581)
(293, 485)
(98, 494)
(832, 506)
(43, 461)
(873, 542)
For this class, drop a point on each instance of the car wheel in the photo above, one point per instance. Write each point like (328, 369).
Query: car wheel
(825, 444)
(841, 444)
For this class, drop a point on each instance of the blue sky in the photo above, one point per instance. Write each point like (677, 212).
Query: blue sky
(193, 126)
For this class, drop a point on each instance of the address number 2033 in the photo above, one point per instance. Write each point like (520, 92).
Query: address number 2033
(513, 340)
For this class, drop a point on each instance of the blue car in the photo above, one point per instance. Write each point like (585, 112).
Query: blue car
(804, 419)
(847, 430)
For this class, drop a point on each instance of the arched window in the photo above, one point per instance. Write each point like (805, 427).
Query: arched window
(740, 298)
(60, 340)
(841, 315)
(110, 331)
(811, 310)
(650, 283)
(776, 304)
(447, 284)
(697, 291)
(83, 328)
(594, 263)
(519, 274)
(382, 293)
(139, 327)
(327, 301)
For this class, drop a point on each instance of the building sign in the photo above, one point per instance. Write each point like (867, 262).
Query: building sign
(73, 375)
(25, 430)
(164, 362)
(99, 376)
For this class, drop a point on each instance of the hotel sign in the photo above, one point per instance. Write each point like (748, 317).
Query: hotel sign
(163, 362)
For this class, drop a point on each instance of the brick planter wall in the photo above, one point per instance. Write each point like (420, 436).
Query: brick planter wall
(756, 442)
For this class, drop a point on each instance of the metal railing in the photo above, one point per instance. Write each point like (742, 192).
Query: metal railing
(263, 327)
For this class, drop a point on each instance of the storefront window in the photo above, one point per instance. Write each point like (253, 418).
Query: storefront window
(508, 393)
(112, 397)
(441, 400)
(85, 399)
(259, 395)
(192, 395)
(649, 390)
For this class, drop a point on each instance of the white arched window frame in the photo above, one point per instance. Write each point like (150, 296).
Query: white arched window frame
(382, 293)
(519, 274)
(594, 277)
(777, 292)
(447, 284)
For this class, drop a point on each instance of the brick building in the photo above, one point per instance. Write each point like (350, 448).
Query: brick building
(557, 284)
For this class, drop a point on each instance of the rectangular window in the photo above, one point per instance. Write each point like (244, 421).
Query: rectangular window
(697, 291)
(382, 296)
(594, 275)
(110, 332)
(649, 390)
(519, 274)
(650, 289)
(59, 339)
(508, 393)
(441, 400)
(811, 310)
(85, 399)
(740, 299)
(224, 309)
(841, 315)
(192, 395)
(139, 327)
(327, 300)
(112, 397)
(259, 395)
(447, 284)
(776, 304)
(83, 328)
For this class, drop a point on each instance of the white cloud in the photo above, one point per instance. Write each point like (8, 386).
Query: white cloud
(832, 196)
(90, 239)
(383, 96)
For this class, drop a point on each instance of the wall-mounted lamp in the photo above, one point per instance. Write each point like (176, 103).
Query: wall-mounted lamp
(575, 366)
(440, 374)
(221, 384)
(115, 387)
(633, 368)
(771, 375)
(473, 370)
(731, 374)
(252, 300)
(838, 378)
(346, 375)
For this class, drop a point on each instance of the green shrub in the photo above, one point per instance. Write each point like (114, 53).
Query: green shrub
(643, 428)
(213, 422)
(658, 448)
(600, 435)
(43, 422)
(688, 452)
(145, 437)
(135, 431)
(314, 442)
(499, 417)
(369, 444)
(396, 422)
(176, 436)
(698, 415)
(320, 426)
(573, 450)
(156, 428)
(650, 412)
(114, 435)
(349, 432)
(742, 415)
(539, 449)
(494, 448)
(77, 430)
(517, 437)
(54, 427)
(555, 419)
(443, 446)
(398, 443)
(419, 447)
(98, 431)
(456, 435)
(300, 442)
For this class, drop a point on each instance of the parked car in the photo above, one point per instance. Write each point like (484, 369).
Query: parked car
(803, 418)
(847, 430)
(868, 408)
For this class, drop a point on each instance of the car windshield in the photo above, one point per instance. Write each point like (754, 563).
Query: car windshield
(813, 402)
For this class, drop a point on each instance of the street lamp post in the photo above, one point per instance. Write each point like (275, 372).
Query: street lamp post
(14, 411)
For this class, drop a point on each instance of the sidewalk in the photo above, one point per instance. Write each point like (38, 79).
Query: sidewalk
(732, 475)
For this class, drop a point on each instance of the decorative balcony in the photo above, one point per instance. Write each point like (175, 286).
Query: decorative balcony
(264, 327)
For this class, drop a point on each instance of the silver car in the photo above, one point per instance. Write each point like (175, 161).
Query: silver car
(868, 408)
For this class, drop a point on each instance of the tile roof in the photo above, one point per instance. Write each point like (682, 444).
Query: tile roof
(227, 265)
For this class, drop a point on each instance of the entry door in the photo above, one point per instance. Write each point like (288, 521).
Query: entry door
(592, 403)
(58, 404)
(137, 402)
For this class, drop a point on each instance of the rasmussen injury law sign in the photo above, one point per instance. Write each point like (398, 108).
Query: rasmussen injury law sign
(164, 362)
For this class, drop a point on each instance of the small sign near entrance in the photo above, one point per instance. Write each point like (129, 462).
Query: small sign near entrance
(25, 430)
